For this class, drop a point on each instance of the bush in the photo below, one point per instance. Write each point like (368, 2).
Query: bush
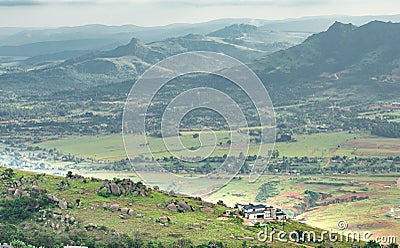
(17, 209)
(104, 193)
(20, 244)
(8, 173)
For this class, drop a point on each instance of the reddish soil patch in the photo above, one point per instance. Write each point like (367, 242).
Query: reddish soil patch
(345, 198)
(291, 195)
(208, 190)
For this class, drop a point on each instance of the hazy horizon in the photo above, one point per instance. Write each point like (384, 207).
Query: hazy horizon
(52, 13)
(205, 21)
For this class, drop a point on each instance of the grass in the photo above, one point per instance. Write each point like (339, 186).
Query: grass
(291, 188)
(147, 228)
(316, 145)
(359, 214)
(107, 147)
(370, 146)
(111, 147)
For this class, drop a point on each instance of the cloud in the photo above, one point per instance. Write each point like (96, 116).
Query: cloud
(17, 3)
(183, 3)
(222, 3)
(13, 3)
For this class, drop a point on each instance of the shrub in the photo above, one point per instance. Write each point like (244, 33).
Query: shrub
(103, 192)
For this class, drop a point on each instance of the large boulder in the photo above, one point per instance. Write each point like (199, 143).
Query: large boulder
(172, 207)
(163, 219)
(114, 189)
(17, 193)
(207, 210)
(53, 198)
(114, 207)
(125, 210)
(184, 206)
(63, 204)
(11, 191)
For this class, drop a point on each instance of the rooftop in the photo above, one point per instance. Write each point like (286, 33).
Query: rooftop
(247, 207)
(256, 212)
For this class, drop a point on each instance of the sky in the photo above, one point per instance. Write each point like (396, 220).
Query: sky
(55, 13)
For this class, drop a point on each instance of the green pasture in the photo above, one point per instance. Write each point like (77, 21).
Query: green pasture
(111, 147)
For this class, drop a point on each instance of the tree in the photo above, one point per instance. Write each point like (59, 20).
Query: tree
(245, 169)
(20, 244)
(372, 244)
(69, 174)
(8, 173)
(241, 156)
(183, 243)
(18, 209)
(275, 154)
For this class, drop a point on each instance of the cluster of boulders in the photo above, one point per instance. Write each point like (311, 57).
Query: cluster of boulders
(125, 212)
(177, 206)
(207, 207)
(63, 204)
(55, 220)
(16, 193)
(124, 187)
(22, 187)
(28, 187)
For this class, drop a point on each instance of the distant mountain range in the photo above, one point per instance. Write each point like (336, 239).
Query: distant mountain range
(29, 42)
(70, 69)
(361, 62)
(344, 62)
(251, 38)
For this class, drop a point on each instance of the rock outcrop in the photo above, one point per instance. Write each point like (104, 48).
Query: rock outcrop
(125, 187)
(62, 204)
(179, 206)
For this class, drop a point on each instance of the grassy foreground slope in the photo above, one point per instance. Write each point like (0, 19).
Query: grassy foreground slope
(49, 211)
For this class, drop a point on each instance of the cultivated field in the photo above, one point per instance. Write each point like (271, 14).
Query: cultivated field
(373, 208)
(370, 214)
(111, 147)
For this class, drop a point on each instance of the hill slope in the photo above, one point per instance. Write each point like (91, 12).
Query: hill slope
(120, 64)
(49, 211)
(361, 62)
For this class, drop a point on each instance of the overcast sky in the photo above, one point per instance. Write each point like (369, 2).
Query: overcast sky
(51, 13)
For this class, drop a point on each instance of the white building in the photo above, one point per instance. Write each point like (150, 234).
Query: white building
(260, 211)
